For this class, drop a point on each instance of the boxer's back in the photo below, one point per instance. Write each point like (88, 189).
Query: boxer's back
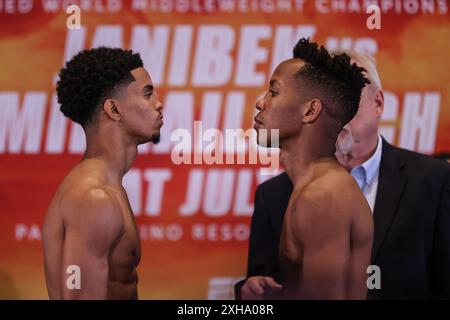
(90, 224)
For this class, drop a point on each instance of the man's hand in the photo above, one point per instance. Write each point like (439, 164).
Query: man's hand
(259, 288)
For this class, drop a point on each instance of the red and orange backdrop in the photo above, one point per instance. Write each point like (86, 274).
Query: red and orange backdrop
(209, 60)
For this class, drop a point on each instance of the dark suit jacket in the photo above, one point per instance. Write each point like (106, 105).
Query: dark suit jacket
(411, 242)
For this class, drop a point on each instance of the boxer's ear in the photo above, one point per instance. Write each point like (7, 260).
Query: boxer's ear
(311, 110)
(111, 109)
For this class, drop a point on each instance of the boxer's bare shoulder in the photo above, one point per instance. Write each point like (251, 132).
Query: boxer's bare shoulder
(82, 215)
(319, 206)
(90, 224)
(327, 221)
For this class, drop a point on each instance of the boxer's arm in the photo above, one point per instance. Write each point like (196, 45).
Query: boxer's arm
(322, 236)
(92, 227)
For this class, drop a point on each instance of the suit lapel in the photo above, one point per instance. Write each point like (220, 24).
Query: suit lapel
(391, 184)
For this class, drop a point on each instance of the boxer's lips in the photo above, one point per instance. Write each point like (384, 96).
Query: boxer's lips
(258, 123)
(160, 120)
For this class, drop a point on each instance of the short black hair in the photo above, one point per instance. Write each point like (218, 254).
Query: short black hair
(338, 82)
(91, 77)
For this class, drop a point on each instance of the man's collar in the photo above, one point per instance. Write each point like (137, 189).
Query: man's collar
(372, 165)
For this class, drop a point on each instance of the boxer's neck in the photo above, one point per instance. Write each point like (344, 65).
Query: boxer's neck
(113, 148)
(300, 154)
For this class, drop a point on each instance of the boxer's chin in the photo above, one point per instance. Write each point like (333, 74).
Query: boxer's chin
(264, 138)
(155, 138)
(263, 141)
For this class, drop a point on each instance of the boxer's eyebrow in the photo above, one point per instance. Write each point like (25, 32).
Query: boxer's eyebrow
(148, 88)
(274, 82)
